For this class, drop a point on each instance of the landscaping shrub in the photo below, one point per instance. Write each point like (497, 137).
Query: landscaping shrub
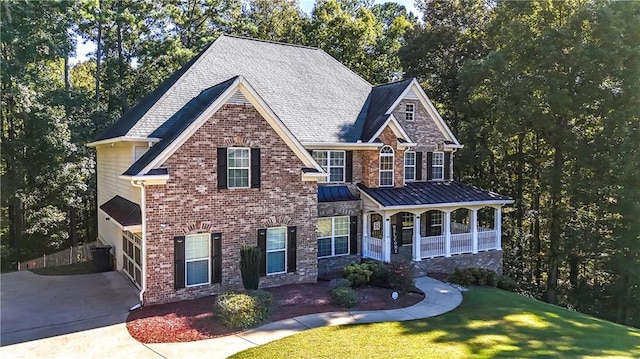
(250, 266)
(401, 275)
(507, 283)
(380, 274)
(477, 276)
(358, 274)
(241, 311)
(339, 282)
(345, 297)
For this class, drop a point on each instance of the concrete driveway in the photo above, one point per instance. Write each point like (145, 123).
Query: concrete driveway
(35, 307)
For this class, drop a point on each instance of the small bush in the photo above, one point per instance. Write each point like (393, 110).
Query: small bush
(380, 274)
(250, 266)
(241, 311)
(477, 276)
(401, 275)
(345, 297)
(358, 274)
(339, 282)
(507, 283)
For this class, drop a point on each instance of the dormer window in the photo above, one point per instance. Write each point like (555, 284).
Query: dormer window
(138, 151)
(437, 166)
(386, 166)
(409, 111)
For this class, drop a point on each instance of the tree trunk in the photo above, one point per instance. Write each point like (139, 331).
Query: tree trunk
(554, 232)
(121, 65)
(98, 51)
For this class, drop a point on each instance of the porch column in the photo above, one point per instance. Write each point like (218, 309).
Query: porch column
(417, 255)
(498, 227)
(387, 238)
(447, 234)
(365, 235)
(474, 226)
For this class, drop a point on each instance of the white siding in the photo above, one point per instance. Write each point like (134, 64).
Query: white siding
(110, 234)
(111, 163)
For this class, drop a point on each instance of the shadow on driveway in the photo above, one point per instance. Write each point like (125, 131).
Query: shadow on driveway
(35, 307)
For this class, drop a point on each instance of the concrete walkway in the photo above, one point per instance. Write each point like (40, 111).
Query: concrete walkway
(115, 340)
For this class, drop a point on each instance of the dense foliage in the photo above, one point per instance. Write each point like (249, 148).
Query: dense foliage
(243, 310)
(544, 96)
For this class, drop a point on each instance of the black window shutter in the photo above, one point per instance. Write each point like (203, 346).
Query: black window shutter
(348, 166)
(429, 165)
(222, 167)
(447, 165)
(291, 248)
(255, 168)
(353, 235)
(216, 257)
(418, 166)
(178, 262)
(262, 244)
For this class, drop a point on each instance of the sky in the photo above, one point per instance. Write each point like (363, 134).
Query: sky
(85, 48)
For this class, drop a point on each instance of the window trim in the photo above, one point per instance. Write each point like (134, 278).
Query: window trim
(393, 166)
(410, 115)
(328, 167)
(413, 166)
(333, 237)
(186, 261)
(433, 165)
(229, 168)
(135, 157)
(284, 250)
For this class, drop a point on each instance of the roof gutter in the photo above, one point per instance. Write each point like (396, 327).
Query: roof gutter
(140, 184)
(147, 179)
(122, 139)
(342, 145)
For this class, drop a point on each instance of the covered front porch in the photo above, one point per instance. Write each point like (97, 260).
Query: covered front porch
(430, 219)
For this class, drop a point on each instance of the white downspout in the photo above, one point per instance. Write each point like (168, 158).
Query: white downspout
(140, 184)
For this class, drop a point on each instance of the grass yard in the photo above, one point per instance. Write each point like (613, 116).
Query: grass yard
(69, 269)
(490, 323)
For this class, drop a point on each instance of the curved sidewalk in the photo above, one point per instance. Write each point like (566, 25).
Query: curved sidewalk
(439, 298)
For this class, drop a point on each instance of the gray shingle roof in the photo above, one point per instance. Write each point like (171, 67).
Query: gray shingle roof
(378, 102)
(314, 95)
(176, 124)
(431, 193)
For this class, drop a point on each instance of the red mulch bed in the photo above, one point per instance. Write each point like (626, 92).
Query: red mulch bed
(192, 320)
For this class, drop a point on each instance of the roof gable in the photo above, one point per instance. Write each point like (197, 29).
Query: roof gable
(375, 111)
(182, 125)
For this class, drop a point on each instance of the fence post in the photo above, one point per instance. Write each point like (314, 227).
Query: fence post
(44, 260)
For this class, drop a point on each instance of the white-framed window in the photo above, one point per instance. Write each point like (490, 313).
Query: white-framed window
(437, 166)
(333, 236)
(238, 164)
(436, 223)
(138, 151)
(409, 166)
(276, 250)
(409, 111)
(386, 166)
(333, 162)
(197, 265)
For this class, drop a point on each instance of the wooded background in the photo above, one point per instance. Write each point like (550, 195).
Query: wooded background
(544, 95)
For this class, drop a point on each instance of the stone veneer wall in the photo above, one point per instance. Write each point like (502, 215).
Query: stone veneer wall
(328, 267)
(422, 130)
(190, 202)
(489, 260)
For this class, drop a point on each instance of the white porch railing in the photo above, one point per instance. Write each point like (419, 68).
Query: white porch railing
(461, 243)
(373, 248)
(487, 240)
(432, 246)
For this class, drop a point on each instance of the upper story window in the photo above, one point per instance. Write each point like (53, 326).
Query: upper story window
(437, 166)
(138, 151)
(238, 160)
(409, 166)
(409, 112)
(333, 162)
(386, 166)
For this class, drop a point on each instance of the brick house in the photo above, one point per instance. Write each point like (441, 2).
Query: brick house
(281, 146)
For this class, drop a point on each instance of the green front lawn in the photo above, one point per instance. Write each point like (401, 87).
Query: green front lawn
(490, 323)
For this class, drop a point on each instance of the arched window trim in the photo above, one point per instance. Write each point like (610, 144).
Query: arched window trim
(387, 174)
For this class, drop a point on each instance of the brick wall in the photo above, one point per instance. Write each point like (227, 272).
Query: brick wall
(370, 162)
(491, 260)
(190, 202)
